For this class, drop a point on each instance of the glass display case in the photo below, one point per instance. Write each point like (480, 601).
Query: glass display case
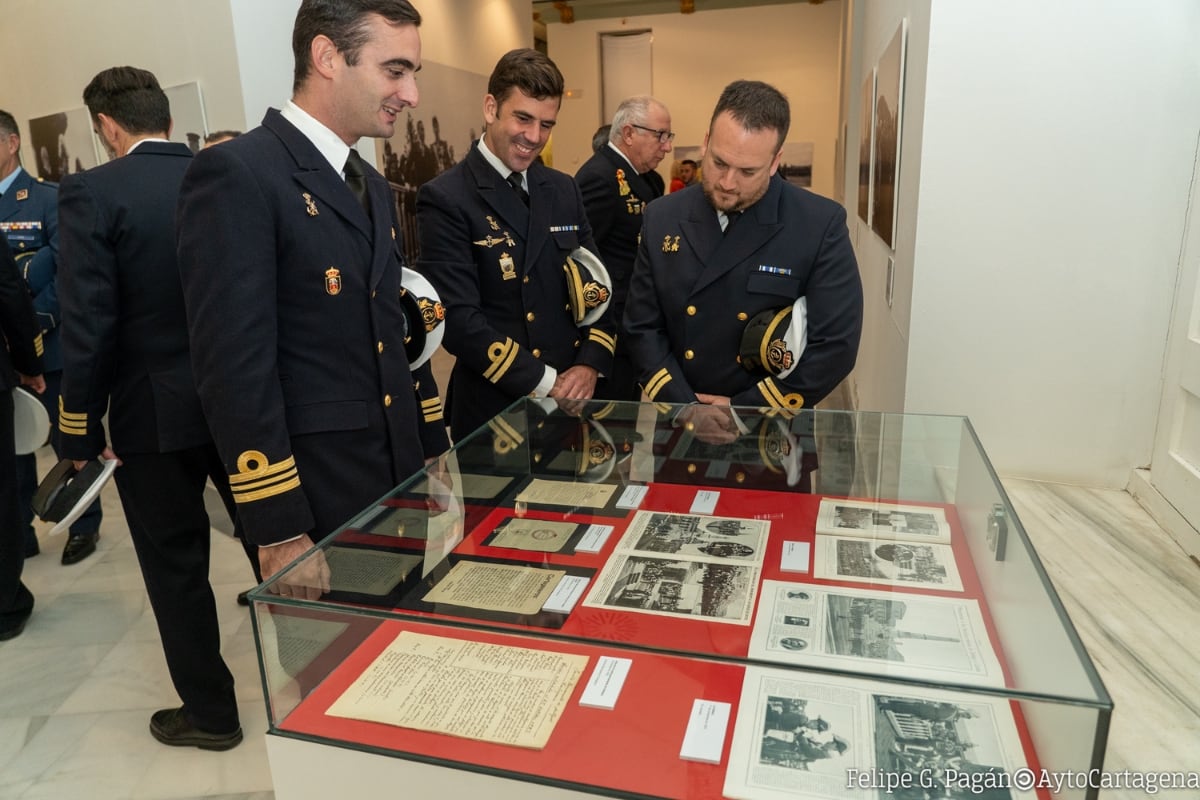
(653, 601)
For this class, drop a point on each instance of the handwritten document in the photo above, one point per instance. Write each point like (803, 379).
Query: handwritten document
(489, 692)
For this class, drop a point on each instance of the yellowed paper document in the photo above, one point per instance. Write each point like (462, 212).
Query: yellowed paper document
(496, 587)
(488, 692)
(533, 534)
(566, 493)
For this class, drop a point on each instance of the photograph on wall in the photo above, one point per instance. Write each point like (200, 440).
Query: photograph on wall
(919, 566)
(906, 635)
(431, 138)
(799, 735)
(866, 128)
(62, 144)
(797, 162)
(718, 592)
(879, 520)
(889, 108)
(189, 124)
(719, 538)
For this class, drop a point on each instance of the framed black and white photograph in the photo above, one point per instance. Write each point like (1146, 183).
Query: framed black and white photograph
(62, 144)
(718, 592)
(797, 163)
(889, 108)
(431, 138)
(866, 129)
(718, 538)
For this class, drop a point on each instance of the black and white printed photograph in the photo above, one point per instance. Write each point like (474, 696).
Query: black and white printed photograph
(676, 587)
(896, 563)
(890, 633)
(431, 138)
(722, 538)
(883, 520)
(62, 143)
(889, 99)
(934, 738)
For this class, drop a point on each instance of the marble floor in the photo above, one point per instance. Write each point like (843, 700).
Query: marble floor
(77, 688)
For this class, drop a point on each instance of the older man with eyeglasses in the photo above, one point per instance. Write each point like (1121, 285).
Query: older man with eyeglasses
(617, 182)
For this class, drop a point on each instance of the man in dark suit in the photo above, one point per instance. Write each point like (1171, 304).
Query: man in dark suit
(617, 182)
(20, 362)
(291, 270)
(495, 231)
(125, 348)
(698, 282)
(29, 220)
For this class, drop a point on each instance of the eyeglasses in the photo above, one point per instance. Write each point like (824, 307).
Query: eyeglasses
(663, 136)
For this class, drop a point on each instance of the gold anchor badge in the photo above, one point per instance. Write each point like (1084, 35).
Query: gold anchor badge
(622, 186)
(492, 223)
(508, 268)
(670, 246)
(333, 281)
(310, 207)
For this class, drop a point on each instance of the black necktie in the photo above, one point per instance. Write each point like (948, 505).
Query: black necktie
(514, 180)
(730, 218)
(356, 179)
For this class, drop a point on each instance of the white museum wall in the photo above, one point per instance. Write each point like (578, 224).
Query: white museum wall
(51, 49)
(1058, 143)
(466, 34)
(794, 47)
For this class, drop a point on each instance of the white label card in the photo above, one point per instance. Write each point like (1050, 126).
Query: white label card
(632, 497)
(795, 557)
(705, 737)
(604, 687)
(566, 594)
(705, 502)
(594, 538)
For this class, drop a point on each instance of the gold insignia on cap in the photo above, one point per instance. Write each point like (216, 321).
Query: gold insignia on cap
(257, 478)
(309, 205)
(333, 281)
(779, 357)
(432, 313)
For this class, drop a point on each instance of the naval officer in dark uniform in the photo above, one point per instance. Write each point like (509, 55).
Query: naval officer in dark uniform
(495, 231)
(291, 271)
(29, 220)
(20, 363)
(743, 246)
(617, 182)
(125, 351)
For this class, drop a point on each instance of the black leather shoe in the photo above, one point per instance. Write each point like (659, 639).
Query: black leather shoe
(171, 726)
(79, 547)
(13, 631)
(244, 598)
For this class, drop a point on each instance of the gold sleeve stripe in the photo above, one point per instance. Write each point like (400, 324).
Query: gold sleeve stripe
(502, 428)
(776, 398)
(71, 429)
(432, 401)
(604, 412)
(253, 486)
(38, 346)
(607, 340)
(254, 466)
(432, 409)
(656, 383)
(271, 491)
(433, 416)
(502, 355)
(80, 418)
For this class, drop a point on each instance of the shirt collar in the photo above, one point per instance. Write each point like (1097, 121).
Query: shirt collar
(326, 141)
(497, 164)
(617, 150)
(7, 182)
(139, 142)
